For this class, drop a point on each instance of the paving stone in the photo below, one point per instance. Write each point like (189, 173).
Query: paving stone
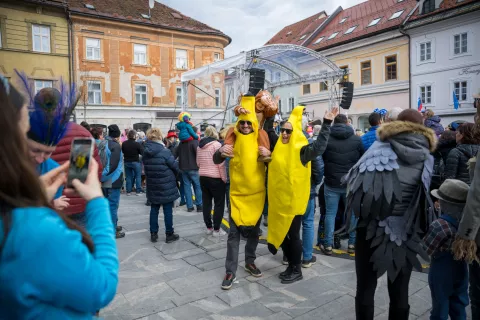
(279, 316)
(174, 247)
(129, 281)
(212, 265)
(244, 294)
(278, 301)
(182, 272)
(250, 310)
(183, 254)
(199, 258)
(201, 240)
(184, 312)
(197, 282)
(145, 255)
(211, 304)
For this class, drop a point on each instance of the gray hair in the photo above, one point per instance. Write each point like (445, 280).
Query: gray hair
(392, 114)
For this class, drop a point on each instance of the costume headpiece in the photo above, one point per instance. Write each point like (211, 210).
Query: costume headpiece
(382, 112)
(184, 117)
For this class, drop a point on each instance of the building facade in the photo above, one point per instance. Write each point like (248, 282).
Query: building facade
(445, 58)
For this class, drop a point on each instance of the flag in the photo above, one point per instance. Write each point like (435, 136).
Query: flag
(420, 105)
(455, 101)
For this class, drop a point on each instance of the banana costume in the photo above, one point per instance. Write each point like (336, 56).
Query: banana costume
(288, 182)
(247, 176)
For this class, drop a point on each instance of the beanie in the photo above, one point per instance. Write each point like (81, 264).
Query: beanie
(113, 131)
(410, 115)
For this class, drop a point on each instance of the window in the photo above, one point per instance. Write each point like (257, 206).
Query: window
(343, 20)
(181, 61)
(94, 92)
(346, 77)
(303, 37)
(323, 86)
(140, 54)
(350, 30)
(40, 84)
(90, 6)
(396, 15)
(217, 98)
(306, 89)
(428, 6)
(460, 89)
(366, 72)
(41, 38)
(391, 67)
(374, 22)
(425, 51)
(333, 35)
(277, 76)
(93, 49)
(460, 43)
(426, 94)
(289, 33)
(216, 57)
(318, 40)
(179, 96)
(141, 94)
(291, 103)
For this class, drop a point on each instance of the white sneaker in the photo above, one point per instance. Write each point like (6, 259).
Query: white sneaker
(209, 231)
(219, 233)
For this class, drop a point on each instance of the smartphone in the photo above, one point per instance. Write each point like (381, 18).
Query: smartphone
(80, 154)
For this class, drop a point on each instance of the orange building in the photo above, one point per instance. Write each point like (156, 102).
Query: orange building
(129, 61)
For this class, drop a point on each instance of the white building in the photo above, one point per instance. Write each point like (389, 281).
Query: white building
(445, 57)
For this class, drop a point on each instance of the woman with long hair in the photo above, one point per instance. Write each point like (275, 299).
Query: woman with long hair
(49, 266)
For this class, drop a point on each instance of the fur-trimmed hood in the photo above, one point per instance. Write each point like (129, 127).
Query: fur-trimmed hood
(388, 130)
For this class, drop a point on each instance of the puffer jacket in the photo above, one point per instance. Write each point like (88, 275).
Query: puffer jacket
(434, 124)
(369, 138)
(62, 154)
(343, 151)
(457, 162)
(161, 170)
(206, 149)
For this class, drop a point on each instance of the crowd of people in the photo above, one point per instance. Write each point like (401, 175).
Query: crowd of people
(405, 188)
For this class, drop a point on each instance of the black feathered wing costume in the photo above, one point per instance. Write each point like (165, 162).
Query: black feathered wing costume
(388, 190)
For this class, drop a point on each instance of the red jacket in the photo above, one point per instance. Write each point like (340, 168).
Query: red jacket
(62, 154)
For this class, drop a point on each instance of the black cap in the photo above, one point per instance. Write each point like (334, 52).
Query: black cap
(113, 131)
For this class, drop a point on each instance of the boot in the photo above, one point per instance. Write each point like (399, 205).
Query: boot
(395, 313)
(171, 237)
(296, 275)
(364, 312)
(264, 159)
(153, 236)
(287, 272)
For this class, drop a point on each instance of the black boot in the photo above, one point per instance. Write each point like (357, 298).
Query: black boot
(296, 274)
(171, 237)
(287, 272)
(395, 313)
(153, 236)
(364, 312)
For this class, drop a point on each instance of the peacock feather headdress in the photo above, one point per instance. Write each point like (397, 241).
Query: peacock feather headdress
(50, 111)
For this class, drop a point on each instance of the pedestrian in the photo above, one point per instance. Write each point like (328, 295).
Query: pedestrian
(85, 125)
(375, 120)
(447, 277)
(40, 248)
(290, 199)
(223, 134)
(388, 192)
(392, 114)
(132, 151)
(161, 170)
(76, 208)
(344, 149)
(467, 147)
(212, 181)
(171, 142)
(433, 122)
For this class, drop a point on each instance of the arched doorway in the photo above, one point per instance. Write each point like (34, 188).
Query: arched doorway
(141, 126)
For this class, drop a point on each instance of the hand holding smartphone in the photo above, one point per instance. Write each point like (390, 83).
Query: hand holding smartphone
(80, 158)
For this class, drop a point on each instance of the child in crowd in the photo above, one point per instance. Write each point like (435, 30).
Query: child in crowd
(185, 127)
(448, 278)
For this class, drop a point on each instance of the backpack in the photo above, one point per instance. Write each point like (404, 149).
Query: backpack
(105, 153)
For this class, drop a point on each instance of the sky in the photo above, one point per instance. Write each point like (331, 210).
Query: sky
(251, 23)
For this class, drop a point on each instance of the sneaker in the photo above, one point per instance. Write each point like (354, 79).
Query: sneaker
(119, 234)
(351, 248)
(228, 281)
(326, 250)
(309, 263)
(129, 194)
(219, 233)
(337, 244)
(172, 237)
(284, 260)
(119, 228)
(199, 208)
(190, 209)
(153, 236)
(138, 194)
(209, 231)
(253, 270)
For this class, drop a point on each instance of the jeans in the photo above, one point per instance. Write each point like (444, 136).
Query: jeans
(113, 197)
(182, 191)
(192, 177)
(449, 293)
(332, 197)
(308, 232)
(167, 217)
(133, 171)
(475, 289)
(213, 189)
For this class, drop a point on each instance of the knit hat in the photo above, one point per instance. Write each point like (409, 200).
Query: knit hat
(172, 133)
(453, 191)
(113, 131)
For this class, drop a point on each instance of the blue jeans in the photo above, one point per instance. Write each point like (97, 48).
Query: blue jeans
(182, 191)
(308, 230)
(167, 217)
(133, 171)
(192, 177)
(113, 197)
(332, 197)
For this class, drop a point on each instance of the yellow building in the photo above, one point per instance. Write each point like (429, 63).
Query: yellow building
(35, 40)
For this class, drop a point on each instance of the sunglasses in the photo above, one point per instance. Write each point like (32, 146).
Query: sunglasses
(243, 122)
(287, 131)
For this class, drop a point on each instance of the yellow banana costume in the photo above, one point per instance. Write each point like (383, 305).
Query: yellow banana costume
(247, 176)
(288, 182)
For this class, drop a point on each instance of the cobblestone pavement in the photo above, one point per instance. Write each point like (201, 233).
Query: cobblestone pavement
(181, 280)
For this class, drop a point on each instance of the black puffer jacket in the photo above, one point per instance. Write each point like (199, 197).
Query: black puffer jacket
(344, 149)
(457, 162)
(161, 170)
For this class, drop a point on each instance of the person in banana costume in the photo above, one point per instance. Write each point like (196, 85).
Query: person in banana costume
(289, 187)
(247, 190)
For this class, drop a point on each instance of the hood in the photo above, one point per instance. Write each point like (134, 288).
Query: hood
(152, 148)
(102, 145)
(469, 150)
(206, 141)
(341, 131)
(436, 119)
(411, 142)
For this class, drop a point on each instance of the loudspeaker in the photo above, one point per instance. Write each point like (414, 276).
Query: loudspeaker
(347, 95)
(257, 80)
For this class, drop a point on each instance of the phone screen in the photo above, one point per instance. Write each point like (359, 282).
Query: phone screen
(80, 154)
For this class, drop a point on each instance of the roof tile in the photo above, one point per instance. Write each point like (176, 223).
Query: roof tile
(297, 29)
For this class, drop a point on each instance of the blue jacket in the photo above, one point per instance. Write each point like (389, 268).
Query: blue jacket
(186, 131)
(369, 138)
(46, 272)
(48, 166)
(161, 170)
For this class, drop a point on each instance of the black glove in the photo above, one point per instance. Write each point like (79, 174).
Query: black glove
(268, 125)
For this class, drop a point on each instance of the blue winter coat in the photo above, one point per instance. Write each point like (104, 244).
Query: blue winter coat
(161, 170)
(369, 138)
